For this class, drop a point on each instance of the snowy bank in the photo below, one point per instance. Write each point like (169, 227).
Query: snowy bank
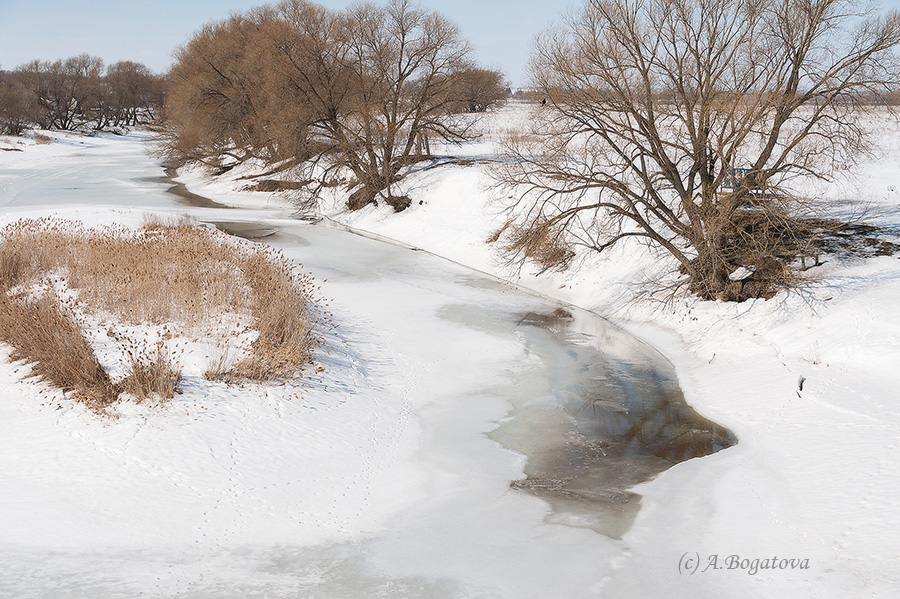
(374, 478)
(807, 381)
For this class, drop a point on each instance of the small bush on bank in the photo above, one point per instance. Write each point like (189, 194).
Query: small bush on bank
(543, 243)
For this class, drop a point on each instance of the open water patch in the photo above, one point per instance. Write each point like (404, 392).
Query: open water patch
(604, 414)
(245, 229)
(187, 197)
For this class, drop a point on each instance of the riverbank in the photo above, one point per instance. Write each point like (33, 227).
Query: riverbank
(813, 477)
(806, 381)
(375, 477)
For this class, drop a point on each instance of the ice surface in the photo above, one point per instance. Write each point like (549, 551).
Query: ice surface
(375, 478)
(815, 475)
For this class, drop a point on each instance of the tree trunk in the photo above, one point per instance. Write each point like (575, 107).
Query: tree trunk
(709, 270)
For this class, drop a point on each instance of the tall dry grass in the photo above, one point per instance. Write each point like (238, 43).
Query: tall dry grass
(163, 273)
(42, 333)
(152, 372)
(281, 308)
(540, 242)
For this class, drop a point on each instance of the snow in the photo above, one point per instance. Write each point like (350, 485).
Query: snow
(384, 484)
(332, 488)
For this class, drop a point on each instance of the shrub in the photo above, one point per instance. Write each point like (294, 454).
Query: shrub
(542, 243)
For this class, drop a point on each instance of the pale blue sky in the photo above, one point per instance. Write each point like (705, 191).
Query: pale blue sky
(148, 32)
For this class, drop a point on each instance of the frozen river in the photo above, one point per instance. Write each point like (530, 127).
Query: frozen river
(467, 439)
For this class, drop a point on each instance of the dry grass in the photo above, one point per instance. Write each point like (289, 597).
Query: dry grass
(222, 367)
(281, 309)
(498, 233)
(169, 273)
(163, 273)
(42, 333)
(153, 374)
(541, 242)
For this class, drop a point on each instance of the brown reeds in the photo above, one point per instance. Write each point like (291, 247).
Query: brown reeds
(163, 273)
(152, 373)
(42, 333)
(281, 309)
(542, 242)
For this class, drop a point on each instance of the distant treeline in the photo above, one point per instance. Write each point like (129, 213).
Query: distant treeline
(353, 95)
(350, 96)
(78, 93)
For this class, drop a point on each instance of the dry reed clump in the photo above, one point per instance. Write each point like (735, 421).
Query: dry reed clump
(174, 273)
(42, 333)
(540, 242)
(152, 373)
(282, 308)
(164, 273)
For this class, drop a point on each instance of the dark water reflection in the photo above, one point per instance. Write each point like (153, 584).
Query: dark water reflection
(183, 195)
(612, 416)
(245, 229)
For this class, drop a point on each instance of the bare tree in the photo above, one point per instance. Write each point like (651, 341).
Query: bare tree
(357, 93)
(134, 91)
(268, 84)
(310, 86)
(377, 84)
(67, 90)
(402, 61)
(17, 104)
(480, 89)
(689, 123)
(79, 92)
(218, 94)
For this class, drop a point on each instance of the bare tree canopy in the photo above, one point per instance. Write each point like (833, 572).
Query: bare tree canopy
(358, 93)
(481, 89)
(218, 94)
(78, 92)
(133, 92)
(402, 62)
(18, 105)
(66, 90)
(688, 122)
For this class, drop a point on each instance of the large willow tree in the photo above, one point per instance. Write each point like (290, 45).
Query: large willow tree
(355, 94)
(687, 123)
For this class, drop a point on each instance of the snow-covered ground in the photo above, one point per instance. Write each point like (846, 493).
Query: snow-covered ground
(815, 476)
(372, 479)
(382, 486)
